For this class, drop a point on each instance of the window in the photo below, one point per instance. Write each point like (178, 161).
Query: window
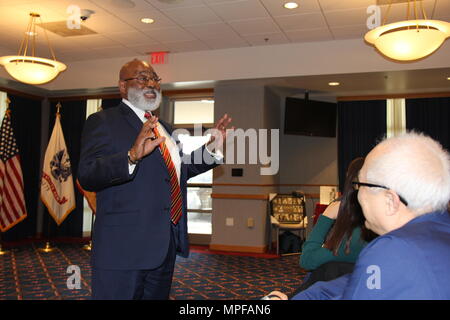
(395, 117)
(194, 111)
(199, 203)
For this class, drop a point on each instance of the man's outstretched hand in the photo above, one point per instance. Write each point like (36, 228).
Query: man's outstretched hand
(219, 135)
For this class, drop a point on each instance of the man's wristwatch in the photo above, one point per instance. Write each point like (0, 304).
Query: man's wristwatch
(130, 161)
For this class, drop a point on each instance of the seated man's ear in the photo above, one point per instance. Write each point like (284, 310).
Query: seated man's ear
(392, 202)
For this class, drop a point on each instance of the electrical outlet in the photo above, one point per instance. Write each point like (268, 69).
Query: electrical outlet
(229, 222)
(250, 222)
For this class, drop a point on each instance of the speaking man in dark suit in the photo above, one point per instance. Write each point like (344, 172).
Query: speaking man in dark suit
(131, 161)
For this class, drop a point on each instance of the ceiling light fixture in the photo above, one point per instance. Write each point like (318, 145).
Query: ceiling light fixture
(290, 5)
(409, 40)
(31, 69)
(147, 20)
(333, 84)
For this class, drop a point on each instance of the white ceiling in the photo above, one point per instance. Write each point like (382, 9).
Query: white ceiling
(193, 25)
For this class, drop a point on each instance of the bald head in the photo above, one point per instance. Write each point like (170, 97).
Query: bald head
(413, 165)
(133, 68)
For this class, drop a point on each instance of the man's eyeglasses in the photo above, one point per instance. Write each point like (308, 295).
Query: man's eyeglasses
(357, 185)
(145, 79)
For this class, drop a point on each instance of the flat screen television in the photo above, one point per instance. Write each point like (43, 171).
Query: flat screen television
(310, 118)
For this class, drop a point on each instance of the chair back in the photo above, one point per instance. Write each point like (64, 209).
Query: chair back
(288, 208)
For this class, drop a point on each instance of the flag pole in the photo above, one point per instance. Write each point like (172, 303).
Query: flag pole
(3, 252)
(48, 247)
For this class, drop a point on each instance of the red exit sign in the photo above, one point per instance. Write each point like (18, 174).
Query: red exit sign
(158, 57)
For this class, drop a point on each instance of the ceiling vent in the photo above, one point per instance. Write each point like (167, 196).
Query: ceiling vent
(61, 29)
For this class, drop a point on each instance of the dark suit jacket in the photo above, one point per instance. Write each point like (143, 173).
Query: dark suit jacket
(132, 227)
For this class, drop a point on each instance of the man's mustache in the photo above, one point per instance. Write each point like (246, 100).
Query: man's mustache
(151, 91)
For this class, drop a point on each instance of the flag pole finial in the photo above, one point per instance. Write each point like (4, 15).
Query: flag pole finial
(58, 106)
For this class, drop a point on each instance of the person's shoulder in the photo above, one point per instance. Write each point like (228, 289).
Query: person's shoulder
(419, 235)
(416, 253)
(335, 204)
(424, 228)
(105, 114)
(384, 245)
(331, 212)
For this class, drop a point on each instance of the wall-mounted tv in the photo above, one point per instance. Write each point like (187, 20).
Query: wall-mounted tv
(310, 118)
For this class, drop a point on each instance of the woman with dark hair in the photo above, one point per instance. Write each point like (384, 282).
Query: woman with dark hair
(338, 237)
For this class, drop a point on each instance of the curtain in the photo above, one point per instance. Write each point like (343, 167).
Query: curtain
(110, 103)
(361, 125)
(73, 116)
(26, 123)
(430, 116)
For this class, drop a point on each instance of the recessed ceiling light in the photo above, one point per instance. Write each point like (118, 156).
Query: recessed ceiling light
(147, 20)
(448, 78)
(290, 5)
(333, 84)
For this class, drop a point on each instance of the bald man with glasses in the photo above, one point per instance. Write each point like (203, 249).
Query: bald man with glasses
(404, 191)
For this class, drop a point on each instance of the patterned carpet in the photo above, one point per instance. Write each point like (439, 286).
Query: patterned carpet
(27, 273)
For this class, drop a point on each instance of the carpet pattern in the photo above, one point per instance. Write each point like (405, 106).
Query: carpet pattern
(26, 273)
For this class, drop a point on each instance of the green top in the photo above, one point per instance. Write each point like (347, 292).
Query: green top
(314, 255)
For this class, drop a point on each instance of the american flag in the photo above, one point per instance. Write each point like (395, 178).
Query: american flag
(12, 201)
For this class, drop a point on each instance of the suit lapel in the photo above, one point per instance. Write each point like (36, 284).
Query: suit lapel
(131, 117)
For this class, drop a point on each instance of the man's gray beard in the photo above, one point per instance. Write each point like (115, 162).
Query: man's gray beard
(137, 99)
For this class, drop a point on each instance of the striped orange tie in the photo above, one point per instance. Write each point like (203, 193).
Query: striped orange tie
(175, 191)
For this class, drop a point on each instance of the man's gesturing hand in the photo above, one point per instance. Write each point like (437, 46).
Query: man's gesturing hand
(146, 141)
(219, 134)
